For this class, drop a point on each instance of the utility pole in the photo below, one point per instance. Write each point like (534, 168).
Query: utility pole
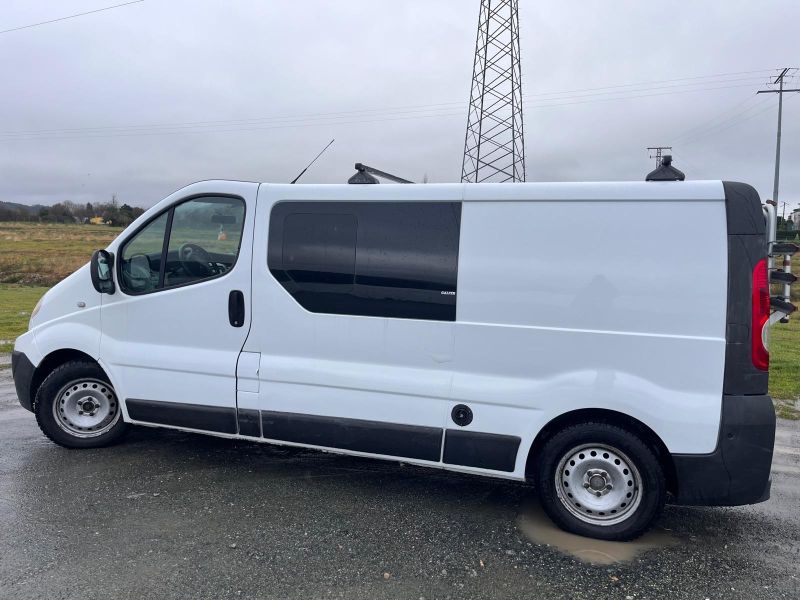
(659, 152)
(780, 91)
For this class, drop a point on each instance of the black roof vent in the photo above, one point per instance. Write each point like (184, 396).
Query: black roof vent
(666, 172)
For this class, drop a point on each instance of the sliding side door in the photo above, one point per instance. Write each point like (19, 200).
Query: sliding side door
(353, 321)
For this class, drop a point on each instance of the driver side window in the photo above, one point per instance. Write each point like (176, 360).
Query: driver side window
(193, 241)
(140, 258)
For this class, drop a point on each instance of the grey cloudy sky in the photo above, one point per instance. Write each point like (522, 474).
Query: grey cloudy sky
(123, 101)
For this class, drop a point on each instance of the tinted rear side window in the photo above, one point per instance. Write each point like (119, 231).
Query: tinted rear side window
(381, 259)
(320, 249)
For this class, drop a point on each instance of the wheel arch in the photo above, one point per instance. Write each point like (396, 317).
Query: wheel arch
(612, 417)
(51, 362)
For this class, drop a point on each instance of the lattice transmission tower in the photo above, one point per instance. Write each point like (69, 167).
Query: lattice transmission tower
(494, 148)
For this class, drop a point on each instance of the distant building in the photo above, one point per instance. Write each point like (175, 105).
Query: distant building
(794, 218)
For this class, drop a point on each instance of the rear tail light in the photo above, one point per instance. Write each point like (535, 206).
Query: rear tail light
(760, 307)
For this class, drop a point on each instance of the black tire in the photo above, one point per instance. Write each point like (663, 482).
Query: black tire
(624, 449)
(84, 374)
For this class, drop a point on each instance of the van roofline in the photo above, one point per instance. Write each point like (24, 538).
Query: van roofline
(530, 191)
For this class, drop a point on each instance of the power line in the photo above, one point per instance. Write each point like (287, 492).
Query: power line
(727, 87)
(722, 115)
(406, 108)
(702, 131)
(240, 129)
(720, 120)
(320, 119)
(608, 87)
(763, 110)
(89, 12)
(253, 120)
(720, 127)
(334, 115)
(691, 86)
(729, 125)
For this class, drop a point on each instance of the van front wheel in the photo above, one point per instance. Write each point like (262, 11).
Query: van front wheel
(76, 407)
(599, 480)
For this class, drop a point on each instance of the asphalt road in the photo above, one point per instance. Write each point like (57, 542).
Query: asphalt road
(173, 515)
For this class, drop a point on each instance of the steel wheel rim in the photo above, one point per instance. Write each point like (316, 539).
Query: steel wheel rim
(86, 408)
(598, 484)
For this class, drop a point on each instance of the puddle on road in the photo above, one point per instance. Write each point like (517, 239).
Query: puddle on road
(536, 525)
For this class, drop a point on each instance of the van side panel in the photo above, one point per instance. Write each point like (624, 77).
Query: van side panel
(593, 304)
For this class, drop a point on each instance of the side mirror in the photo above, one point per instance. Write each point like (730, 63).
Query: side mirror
(102, 269)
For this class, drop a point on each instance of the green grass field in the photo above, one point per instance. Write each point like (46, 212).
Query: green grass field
(16, 304)
(784, 369)
(34, 257)
(42, 254)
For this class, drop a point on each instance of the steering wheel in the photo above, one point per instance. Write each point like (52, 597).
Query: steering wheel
(196, 260)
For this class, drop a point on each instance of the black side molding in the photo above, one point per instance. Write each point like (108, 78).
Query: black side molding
(464, 448)
(249, 422)
(482, 450)
(390, 439)
(194, 416)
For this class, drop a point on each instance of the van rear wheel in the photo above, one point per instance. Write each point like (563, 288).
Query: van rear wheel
(599, 480)
(76, 407)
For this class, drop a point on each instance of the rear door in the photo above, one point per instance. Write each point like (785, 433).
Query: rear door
(173, 331)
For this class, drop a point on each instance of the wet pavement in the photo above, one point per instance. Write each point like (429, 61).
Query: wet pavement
(173, 515)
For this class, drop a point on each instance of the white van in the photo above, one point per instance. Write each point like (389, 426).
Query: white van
(604, 341)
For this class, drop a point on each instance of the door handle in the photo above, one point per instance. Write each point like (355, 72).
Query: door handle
(236, 308)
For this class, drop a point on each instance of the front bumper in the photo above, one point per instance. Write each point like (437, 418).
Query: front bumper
(738, 471)
(22, 371)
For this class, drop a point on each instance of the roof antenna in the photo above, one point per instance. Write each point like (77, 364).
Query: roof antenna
(313, 161)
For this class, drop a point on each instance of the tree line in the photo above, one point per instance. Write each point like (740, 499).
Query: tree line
(109, 213)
